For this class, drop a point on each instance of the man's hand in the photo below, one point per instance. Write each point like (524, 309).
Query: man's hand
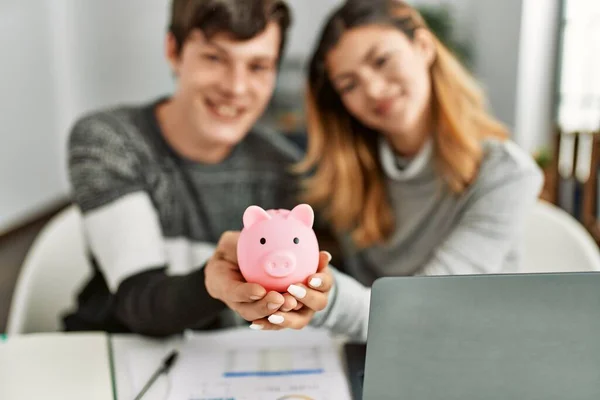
(225, 282)
(311, 298)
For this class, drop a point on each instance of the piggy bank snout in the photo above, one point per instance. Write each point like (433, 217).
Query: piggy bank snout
(279, 264)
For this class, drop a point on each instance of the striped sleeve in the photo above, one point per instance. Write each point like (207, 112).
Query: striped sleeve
(124, 234)
(120, 222)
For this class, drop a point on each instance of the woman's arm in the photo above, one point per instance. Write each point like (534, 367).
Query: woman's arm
(491, 225)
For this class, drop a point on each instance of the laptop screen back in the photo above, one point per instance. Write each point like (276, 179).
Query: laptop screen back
(493, 337)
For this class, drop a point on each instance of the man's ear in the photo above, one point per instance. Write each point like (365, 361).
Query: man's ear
(172, 53)
(425, 44)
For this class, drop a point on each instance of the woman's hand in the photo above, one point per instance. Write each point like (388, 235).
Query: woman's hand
(311, 298)
(225, 282)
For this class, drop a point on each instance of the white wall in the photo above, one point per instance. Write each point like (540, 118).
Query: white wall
(114, 50)
(62, 58)
(309, 16)
(29, 150)
(496, 34)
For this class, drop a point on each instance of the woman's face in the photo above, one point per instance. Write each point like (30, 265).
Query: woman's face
(383, 77)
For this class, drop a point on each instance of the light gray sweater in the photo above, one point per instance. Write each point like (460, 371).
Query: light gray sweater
(437, 232)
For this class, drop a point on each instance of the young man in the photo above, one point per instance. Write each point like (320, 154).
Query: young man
(160, 184)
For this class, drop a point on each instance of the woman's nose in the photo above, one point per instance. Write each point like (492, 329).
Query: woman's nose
(375, 87)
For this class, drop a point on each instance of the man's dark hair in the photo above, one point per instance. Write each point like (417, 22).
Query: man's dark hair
(243, 19)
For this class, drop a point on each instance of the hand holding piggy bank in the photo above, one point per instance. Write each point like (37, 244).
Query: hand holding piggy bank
(277, 248)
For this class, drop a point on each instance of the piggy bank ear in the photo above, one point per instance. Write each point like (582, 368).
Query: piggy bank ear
(304, 213)
(254, 214)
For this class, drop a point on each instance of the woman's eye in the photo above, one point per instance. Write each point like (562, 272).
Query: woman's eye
(347, 88)
(380, 61)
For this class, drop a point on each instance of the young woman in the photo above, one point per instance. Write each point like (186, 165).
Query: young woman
(407, 163)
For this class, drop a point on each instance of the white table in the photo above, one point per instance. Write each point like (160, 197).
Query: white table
(72, 366)
(61, 366)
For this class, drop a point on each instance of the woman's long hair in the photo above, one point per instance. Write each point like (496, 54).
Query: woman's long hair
(347, 181)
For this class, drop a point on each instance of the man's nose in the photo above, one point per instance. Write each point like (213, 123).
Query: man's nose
(236, 81)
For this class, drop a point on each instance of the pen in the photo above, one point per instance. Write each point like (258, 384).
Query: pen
(166, 364)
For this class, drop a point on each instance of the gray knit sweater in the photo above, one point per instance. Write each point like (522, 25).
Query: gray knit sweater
(152, 218)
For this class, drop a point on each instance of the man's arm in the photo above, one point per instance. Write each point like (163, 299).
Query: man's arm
(154, 304)
(124, 234)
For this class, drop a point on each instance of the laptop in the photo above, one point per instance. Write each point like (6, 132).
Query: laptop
(493, 337)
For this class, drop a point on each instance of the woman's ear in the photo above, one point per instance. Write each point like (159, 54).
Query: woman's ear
(172, 53)
(424, 42)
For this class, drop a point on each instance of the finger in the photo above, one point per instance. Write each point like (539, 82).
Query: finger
(299, 306)
(264, 325)
(230, 285)
(289, 302)
(244, 292)
(313, 299)
(293, 319)
(227, 246)
(262, 308)
(321, 281)
(324, 260)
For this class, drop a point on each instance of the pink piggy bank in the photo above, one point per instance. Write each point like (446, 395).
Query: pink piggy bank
(277, 248)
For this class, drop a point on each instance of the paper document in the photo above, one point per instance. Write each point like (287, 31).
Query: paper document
(242, 364)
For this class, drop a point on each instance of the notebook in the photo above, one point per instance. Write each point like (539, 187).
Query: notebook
(65, 366)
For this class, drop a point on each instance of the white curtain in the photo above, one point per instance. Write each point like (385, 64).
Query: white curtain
(579, 106)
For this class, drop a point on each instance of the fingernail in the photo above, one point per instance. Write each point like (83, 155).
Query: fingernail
(315, 282)
(256, 327)
(297, 291)
(255, 297)
(273, 306)
(275, 319)
(328, 256)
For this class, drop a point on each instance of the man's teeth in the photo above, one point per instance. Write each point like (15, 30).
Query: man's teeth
(226, 111)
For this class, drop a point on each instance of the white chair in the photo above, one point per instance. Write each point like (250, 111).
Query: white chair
(557, 242)
(53, 272)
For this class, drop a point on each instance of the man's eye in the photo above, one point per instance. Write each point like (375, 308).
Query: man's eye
(212, 57)
(259, 68)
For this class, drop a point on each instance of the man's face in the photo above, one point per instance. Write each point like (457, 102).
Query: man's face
(224, 85)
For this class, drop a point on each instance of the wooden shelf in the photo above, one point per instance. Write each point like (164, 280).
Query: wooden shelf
(593, 228)
(589, 200)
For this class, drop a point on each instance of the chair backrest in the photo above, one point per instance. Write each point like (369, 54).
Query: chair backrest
(54, 269)
(557, 242)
